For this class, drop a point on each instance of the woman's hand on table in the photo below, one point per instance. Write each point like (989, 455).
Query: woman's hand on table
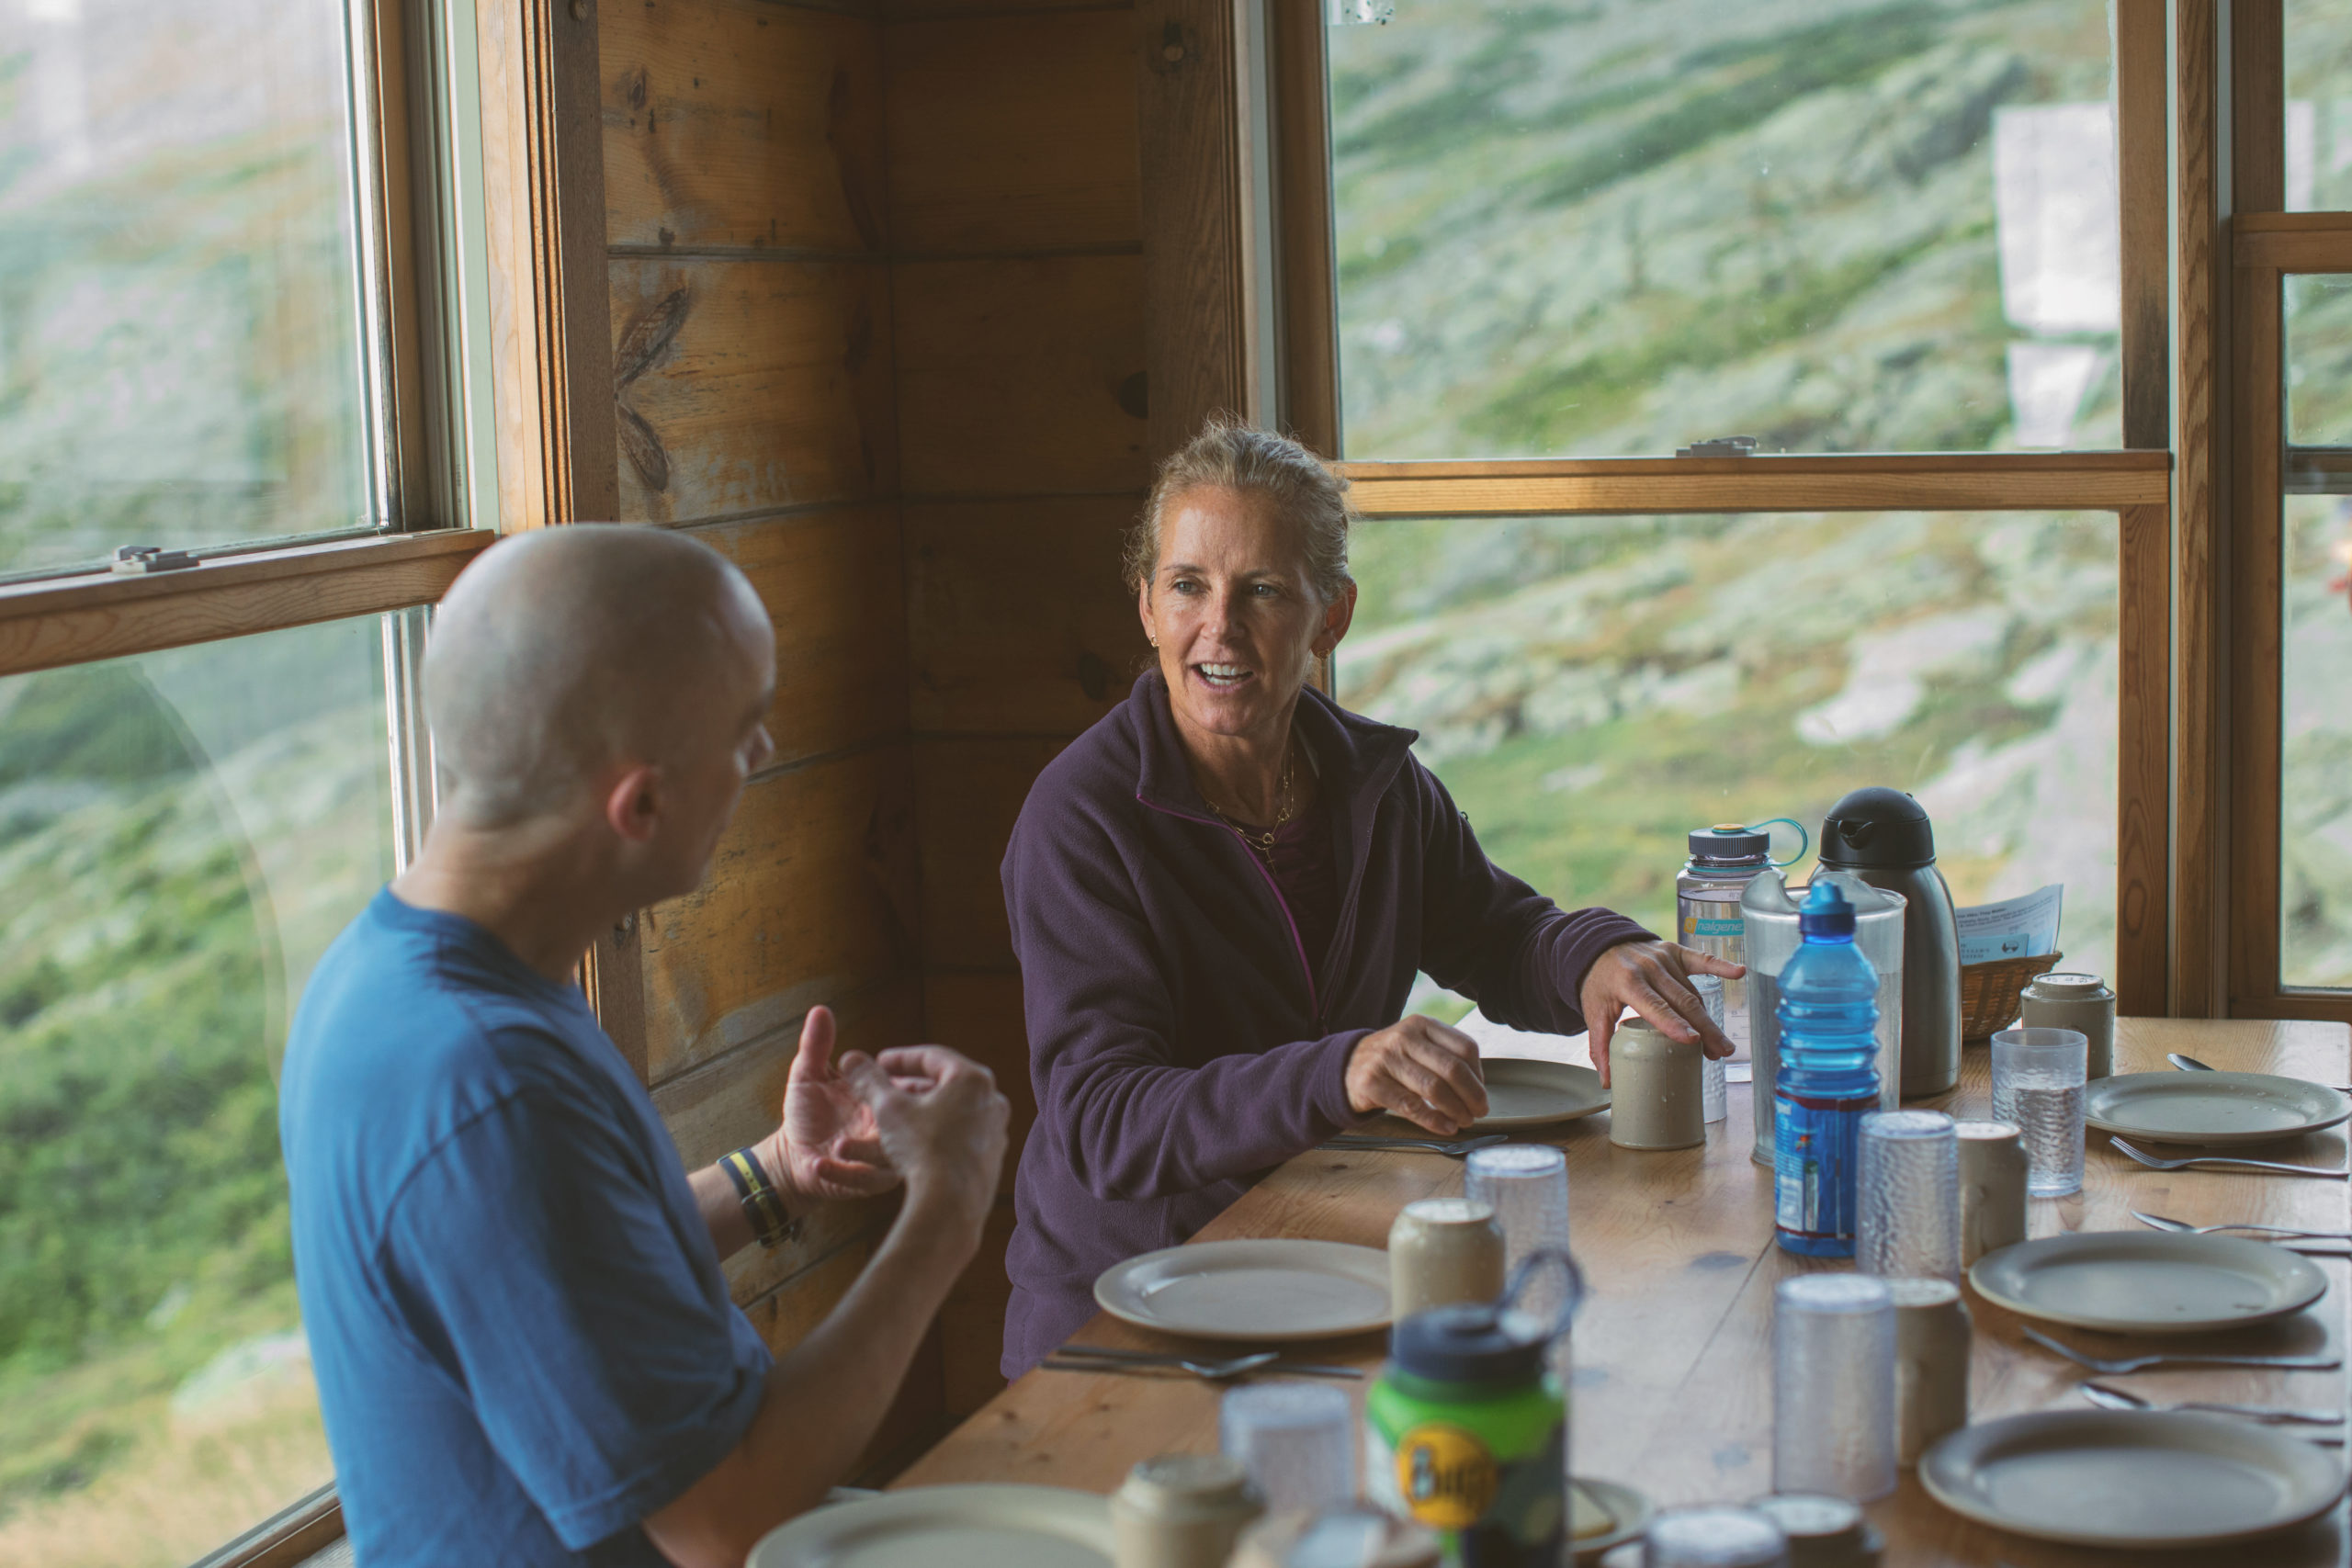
(1421, 1070)
(1653, 978)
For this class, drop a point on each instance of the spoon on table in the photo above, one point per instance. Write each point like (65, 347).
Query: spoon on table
(2191, 1065)
(1454, 1148)
(2289, 1236)
(2117, 1399)
(1207, 1370)
(2194, 1161)
(2114, 1367)
(1250, 1362)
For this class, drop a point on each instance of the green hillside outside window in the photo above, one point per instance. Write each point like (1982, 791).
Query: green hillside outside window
(1585, 230)
(181, 834)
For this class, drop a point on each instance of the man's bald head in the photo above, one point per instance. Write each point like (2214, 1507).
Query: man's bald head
(561, 651)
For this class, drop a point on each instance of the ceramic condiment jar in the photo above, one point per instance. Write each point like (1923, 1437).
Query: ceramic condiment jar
(1931, 1338)
(1443, 1250)
(1656, 1093)
(1182, 1511)
(2081, 1002)
(1992, 1187)
(1823, 1531)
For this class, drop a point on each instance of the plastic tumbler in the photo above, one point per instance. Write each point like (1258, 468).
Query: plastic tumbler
(1527, 1184)
(1908, 1218)
(1832, 1386)
(2038, 1085)
(1714, 1537)
(1714, 1096)
(1298, 1440)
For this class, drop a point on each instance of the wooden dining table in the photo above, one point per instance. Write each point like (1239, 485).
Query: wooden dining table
(1671, 1392)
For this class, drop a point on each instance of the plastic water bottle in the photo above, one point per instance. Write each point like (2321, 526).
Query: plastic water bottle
(1828, 1077)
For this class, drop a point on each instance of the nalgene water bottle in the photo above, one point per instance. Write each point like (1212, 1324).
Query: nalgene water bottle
(1723, 860)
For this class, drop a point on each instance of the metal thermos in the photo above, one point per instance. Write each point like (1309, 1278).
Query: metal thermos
(1883, 836)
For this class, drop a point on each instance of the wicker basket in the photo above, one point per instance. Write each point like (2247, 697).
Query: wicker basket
(1989, 992)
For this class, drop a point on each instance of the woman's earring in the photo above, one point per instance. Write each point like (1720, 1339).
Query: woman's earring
(1153, 641)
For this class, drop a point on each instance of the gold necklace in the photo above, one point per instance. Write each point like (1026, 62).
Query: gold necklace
(1264, 843)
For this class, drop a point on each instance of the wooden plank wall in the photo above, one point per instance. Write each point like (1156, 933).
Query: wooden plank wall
(747, 252)
(878, 327)
(1017, 278)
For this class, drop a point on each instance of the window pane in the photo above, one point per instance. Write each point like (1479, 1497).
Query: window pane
(1592, 689)
(2315, 765)
(178, 304)
(2319, 106)
(181, 835)
(2317, 350)
(1836, 225)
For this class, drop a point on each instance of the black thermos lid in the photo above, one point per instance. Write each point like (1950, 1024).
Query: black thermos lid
(1885, 829)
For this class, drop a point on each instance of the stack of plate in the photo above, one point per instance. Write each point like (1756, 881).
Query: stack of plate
(2148, 1281)
(1270, 1289)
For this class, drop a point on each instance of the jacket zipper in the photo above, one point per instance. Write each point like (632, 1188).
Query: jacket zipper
(1298, 942)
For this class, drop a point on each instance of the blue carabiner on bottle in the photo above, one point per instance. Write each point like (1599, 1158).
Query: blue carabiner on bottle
(1804, 840)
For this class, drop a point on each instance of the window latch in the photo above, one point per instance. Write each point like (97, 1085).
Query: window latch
(134, 560)
(1720, 446)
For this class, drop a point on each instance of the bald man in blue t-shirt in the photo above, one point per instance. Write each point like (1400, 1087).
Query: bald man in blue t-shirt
(526, 1350)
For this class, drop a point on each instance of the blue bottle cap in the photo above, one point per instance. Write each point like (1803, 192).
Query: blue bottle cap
(1825, 912)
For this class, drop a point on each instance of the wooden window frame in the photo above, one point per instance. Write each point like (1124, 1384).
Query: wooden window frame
(549, 356)
(2135, 483)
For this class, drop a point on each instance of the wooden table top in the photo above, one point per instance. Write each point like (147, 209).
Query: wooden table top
(1673, 1350)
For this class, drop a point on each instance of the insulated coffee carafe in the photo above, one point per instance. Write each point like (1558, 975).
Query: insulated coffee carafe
(1883, 836)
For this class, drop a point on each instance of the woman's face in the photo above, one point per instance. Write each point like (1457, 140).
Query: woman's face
(1233, 610)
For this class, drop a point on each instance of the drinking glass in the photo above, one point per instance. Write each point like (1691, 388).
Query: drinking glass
(2038, 1084)
(1832, 1386)
(1908, 1218)
(1298, 1440)
(1714, 1537)
(1527, 1184)
(1712, 1096)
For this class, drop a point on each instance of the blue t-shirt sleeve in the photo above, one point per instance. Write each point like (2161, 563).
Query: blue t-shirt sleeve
(534, 1258)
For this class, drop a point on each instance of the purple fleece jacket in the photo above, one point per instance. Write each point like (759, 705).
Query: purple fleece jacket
(1179, 1041)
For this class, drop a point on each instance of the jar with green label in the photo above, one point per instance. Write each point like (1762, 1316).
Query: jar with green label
(1465, 1430)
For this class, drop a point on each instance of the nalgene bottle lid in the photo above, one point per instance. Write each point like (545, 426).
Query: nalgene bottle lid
(1729, 843)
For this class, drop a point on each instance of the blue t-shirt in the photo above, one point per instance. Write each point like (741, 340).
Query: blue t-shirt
(523, 1341)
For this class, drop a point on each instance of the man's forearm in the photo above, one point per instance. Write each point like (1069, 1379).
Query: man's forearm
(826, 1398)
(722, 1209)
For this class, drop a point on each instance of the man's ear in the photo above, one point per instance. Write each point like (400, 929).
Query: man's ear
(633, 804)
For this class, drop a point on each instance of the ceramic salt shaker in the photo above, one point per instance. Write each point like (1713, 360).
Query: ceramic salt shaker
(1657, 1099)
(1931, 1345)
(2062, 999)
(1182, 1511)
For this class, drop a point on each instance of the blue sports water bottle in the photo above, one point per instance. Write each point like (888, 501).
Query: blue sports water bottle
(1828, 1079)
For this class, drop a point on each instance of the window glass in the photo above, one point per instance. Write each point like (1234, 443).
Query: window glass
(2319, 106)
(179, 359)
(1593, 689)
(181, 835)
(1616, 228)
(2315, 647)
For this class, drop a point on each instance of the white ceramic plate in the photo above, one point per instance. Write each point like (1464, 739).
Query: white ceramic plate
(1523, 1092)
(1628, 1510)
(1265, 1290)
(947, 1527)
(2211, 1109)
(2135, 1478)
(2148, 1281)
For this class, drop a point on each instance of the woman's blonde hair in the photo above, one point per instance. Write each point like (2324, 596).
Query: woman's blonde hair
(1230, 455)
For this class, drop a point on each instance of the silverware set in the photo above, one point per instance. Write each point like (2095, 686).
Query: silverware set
(1103, 1358)
(2269, 1414)
(2191, 1065)
(2116, 1367)
(1453, 1148)
(2207, 1162)
(2326, 1243)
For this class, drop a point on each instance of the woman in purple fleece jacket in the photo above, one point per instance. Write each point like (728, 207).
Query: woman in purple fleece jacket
(1221, 892)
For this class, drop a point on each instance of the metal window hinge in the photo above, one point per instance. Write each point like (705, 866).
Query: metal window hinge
(130, 560)
(1720, 446)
